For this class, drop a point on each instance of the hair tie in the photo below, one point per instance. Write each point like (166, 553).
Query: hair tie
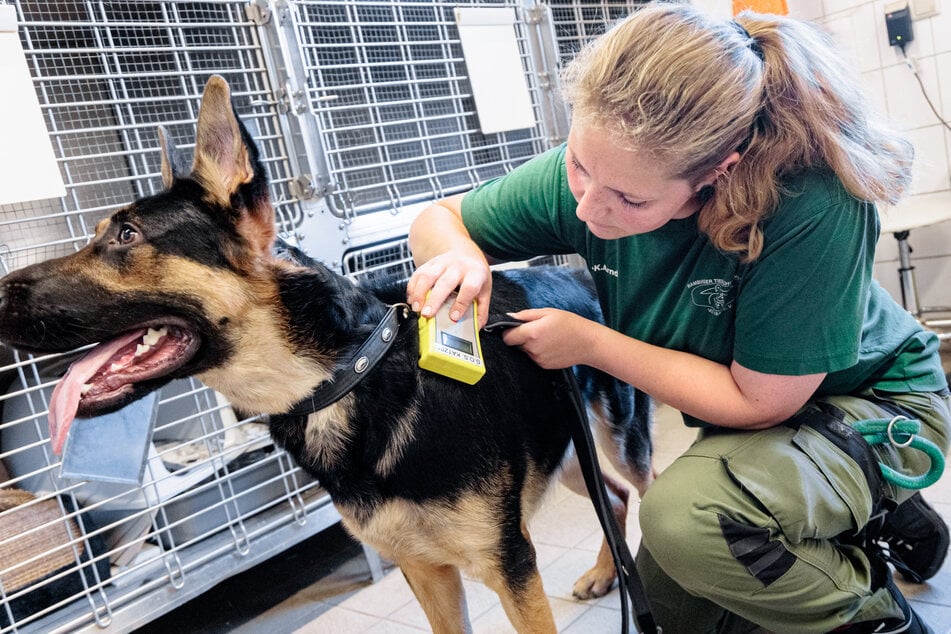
(751, 41)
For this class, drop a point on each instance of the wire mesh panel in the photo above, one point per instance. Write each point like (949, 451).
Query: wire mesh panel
(388, 83)
(107, 73)
(390, 261)
(577, 22)
(100, 545)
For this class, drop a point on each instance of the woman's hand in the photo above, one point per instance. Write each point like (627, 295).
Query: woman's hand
(433, 282)
(446, 260)
(553, 338)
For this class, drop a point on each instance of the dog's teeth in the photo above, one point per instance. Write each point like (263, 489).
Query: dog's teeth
(115, 367)
(85, 388)
(141, 349)
(152, 336)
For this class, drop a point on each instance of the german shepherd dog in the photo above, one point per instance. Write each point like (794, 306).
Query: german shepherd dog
(438, 476)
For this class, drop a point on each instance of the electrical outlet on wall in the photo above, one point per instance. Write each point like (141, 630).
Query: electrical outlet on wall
(898, 24)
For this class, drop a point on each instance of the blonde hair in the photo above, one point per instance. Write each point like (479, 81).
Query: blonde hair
(690, 89)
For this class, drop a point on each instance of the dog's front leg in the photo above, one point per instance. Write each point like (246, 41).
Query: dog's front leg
(527, 606)
(439, 591)
(515, 578)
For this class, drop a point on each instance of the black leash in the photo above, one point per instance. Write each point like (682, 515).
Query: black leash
(629, 581)
(347, 374)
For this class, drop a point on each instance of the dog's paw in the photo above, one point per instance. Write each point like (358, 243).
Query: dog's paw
(594, 583)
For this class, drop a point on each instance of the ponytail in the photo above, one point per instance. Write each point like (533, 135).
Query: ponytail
(692, 89)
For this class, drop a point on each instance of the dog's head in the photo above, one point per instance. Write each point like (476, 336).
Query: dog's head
(167, 284)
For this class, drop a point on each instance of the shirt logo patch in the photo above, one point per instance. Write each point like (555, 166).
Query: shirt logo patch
(716, 295)
(601, 268)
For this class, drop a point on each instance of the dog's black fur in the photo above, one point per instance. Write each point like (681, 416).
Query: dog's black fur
(437, 475)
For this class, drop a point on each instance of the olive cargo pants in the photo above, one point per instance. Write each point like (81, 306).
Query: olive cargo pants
(743, 523)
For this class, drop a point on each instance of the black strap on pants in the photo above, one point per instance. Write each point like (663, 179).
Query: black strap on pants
(828, 420)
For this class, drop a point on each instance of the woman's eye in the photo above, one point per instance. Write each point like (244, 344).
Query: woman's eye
(630, 203)
(127, 234)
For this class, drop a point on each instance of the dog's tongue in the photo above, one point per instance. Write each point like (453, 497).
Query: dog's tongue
(65, 398)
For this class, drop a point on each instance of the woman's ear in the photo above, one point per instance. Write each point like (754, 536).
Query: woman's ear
(725, 166)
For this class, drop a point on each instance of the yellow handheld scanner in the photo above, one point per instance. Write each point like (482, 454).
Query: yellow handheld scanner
(451, 348)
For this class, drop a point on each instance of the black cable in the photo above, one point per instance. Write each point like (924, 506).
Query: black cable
(914, 71)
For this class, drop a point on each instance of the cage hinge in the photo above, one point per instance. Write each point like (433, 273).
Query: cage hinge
(305, 187)
(302, 187)
(258, 12)
(296, 98)
(536, 14)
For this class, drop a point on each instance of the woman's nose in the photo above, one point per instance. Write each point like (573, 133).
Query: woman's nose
(589, 206)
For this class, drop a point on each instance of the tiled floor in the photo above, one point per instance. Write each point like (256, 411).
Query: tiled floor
(566, 535)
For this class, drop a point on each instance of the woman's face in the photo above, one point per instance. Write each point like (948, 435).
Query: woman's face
(622, 192)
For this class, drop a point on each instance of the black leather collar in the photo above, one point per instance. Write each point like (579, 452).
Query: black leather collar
(348, 374)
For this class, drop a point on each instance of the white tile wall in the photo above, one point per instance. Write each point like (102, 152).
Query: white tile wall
(892, 86)
(831, 7)
(931, 160)
(903, 98)
(943, 77)
(874, 81)
(941, 27)
(809, 9)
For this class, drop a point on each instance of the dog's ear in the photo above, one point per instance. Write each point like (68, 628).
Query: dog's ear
(226, 165)
(173, 162)
(222, 160)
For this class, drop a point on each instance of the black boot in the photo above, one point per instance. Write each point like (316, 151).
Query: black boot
(917, 539)
(907, 623)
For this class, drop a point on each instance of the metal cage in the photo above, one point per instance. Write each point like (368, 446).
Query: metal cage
(387, 83)
(363, 114)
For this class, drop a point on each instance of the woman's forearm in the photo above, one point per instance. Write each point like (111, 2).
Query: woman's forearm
(447, 260)
(727, 396)
(437, 229)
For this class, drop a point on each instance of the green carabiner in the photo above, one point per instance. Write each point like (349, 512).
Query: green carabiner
(901, 432)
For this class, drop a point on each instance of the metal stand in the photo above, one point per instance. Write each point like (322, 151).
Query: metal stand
(906, 275)
(909, 289)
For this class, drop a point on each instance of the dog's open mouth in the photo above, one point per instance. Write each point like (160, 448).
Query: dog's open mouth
(105, 376)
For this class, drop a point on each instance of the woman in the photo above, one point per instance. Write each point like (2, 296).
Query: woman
(719, 180)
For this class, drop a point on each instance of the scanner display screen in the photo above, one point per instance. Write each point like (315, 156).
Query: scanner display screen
(456, 343)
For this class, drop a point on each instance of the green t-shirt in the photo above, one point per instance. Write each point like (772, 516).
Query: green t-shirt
(807, 305)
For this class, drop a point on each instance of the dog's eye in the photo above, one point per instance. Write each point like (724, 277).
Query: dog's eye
(127, 234)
